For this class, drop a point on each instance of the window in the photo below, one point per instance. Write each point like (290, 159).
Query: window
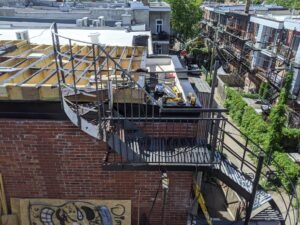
(159, 26)
(158, 49)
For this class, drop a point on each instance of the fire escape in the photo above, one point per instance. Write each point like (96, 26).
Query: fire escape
(143, 134)
(229, 52)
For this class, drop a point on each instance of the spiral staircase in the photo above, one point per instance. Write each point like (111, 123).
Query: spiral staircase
(110, 103)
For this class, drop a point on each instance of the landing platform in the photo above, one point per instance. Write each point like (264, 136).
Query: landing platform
(170, 151)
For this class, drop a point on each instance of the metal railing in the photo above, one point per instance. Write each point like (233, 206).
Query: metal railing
(243, 153)
(138, 124)
(168, 141)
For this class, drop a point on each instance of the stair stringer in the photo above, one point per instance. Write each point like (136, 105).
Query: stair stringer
(120, 147)
(224, 168)
(87, 127)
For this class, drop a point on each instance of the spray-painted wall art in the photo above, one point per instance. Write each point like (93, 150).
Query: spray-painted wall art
(71, 212)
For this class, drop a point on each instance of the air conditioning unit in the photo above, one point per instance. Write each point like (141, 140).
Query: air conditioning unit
(101, 21)
(85, 21)
(22, 35)
(96, 23)
(79, 23)
(118, 24)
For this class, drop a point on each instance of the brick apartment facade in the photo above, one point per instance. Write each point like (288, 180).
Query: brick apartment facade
(54, 159)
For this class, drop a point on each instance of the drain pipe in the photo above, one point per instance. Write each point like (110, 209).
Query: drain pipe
(165, 187)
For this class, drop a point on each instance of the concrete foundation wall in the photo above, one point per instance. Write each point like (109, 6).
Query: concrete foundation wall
(54, 159)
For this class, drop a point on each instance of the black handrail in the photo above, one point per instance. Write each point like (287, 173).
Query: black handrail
(209, 115)
(293, 195)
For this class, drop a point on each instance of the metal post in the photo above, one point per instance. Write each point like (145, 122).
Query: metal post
(57, 69)
(58, 52)
(213, 49)
(244, 154)
(215, 131)
(74, 83)
(99, 103)
(254, 188)
(211, 97)
(212, 58)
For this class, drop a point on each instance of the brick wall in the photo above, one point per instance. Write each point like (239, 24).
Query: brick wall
(54, 159)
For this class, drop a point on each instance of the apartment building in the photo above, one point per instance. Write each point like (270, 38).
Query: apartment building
(278, 39)
(258, 45)
(154, 16)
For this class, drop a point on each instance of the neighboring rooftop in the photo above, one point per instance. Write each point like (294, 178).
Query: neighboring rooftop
(112, 37)
(240, 7)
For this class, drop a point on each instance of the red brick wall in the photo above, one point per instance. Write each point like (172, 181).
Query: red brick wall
(54, 159)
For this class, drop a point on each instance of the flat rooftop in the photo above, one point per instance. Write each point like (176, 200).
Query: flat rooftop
(112, 37)
(240, 7)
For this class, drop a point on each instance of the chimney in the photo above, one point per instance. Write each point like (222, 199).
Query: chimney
(247, 6)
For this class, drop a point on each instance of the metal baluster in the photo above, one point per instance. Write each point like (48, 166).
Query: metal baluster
(74, 84)
(58, 50)
(97, 91)
(244, 153)
(101, 82)
(58, 71)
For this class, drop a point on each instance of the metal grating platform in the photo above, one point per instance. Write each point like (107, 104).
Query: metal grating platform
(241, 179)
(163, 151)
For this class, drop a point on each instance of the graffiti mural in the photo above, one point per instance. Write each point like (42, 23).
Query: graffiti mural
(58, 212)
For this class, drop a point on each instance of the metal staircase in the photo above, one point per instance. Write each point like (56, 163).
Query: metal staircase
(116, 108)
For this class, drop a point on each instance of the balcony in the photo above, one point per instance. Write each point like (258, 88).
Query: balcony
(236, 31)
(162, 36)
(285, 52)
(276, 79)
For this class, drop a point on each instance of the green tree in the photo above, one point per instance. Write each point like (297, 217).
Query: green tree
(278, 118)
(186, 15)
(286, 3)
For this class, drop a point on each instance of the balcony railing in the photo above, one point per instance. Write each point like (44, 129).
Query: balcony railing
(162, 36)
(286, 52)
(237, 31)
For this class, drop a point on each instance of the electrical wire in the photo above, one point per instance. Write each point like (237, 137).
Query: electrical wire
(42, 32)
(155, 198)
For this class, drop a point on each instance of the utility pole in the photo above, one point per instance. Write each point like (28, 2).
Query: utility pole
(213, 47)
(213, 84)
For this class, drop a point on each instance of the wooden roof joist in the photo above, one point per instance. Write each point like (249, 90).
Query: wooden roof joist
(29, 71)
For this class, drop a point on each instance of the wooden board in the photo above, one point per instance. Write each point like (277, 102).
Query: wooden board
(3, 205)
(15, 208)
(9, 220)
(70, 212)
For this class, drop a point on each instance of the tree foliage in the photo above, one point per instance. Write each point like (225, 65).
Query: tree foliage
(267, 133)
(286, 3)
(278, 117)
(186, 15)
